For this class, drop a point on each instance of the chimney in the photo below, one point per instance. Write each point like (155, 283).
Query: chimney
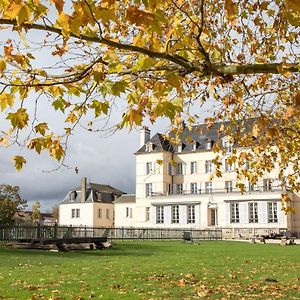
(144, 135)
(83, 190)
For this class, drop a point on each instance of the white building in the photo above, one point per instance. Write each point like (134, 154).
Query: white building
(175, 189)
(90, 205)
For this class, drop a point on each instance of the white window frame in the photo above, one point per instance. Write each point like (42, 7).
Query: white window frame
(148, 189)
(179, 168)
(159, 214)
(228, 167)
(253, 212)
(193, 167)
(229, 186)
(234, 213)
(175, 214)
(228, 146)
(99, 213)
(267, 184)
(73, 213)
(179, 189)
(272, 212)
(77, 212)
(194, 188)
(149, 168)
(208, 166)
(208, 187)
(191, 214)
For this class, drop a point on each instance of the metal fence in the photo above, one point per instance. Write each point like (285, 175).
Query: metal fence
(15, 233)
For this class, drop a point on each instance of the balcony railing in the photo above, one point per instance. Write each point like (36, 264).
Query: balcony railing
(217, 191)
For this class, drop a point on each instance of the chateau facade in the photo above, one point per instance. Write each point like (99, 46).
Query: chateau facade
(175, 188)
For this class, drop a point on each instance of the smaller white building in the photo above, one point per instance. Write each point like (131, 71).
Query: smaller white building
(89, 205)
(124, 211)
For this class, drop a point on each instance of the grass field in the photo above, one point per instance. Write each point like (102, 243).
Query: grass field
(154, 270)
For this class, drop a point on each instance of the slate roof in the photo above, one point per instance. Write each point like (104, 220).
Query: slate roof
(125, 199)
(198, 134)
(95, 192)
(103, 188)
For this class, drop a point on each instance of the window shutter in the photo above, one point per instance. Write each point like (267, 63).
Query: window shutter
(227, 213)
(262, 212)
(280, 213)
(243, 207)
(183, 168)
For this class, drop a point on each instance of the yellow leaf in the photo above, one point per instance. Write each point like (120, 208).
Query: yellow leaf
(231, 9)
(13, 9)
(59, 5)
(23, 15)
(2, 65)
(71, 118)
(41, 128)
(293, 5)
(19, 162)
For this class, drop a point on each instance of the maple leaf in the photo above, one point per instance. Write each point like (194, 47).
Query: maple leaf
(139, 17)
(19, 162)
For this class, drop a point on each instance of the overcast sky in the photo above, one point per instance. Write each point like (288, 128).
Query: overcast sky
(107, 160)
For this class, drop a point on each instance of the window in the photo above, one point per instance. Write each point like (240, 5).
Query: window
(193, 167)
(179, 149)
(149, 147)
(208, 187)
(107, 213)
(193, 188)
(228, 186)
(228, 167)
(251, 187)
(208, 145)
(175, 214)
(253, 212)
(170, 169)
(179, 168)
(194, 147)
(272, 212)
(267, 185)
(99, 213)
(179, 189)
(159, 214)
(190, 214)
(208, 166)
(149, 169)
(234, 213)
(128, 212)
(147, 213)
(73, 213)
(77, 213)
(227, 146)
(148, 189)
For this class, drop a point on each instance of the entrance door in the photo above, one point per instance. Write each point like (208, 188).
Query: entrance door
(213, 217)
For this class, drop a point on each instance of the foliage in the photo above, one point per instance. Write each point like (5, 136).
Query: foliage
(55, 212)
(36, 213)
(10, 203)
(156, 59)
(154, 270)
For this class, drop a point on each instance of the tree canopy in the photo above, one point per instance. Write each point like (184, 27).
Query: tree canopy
(155, 59)
(10, 203)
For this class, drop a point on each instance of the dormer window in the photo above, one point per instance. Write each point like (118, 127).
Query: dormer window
(194, 146)
(149, 147)
(179, 148)
(228, 146)
(73, 195)
(208, 145)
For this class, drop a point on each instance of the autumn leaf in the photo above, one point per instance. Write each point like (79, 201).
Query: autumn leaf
(41, 128)
(139, 17)
(59, 5)
(293, 5)
(19, 162)
(231, 9)
(19, 119)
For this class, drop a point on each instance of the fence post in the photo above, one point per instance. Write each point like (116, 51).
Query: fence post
(55, 230)
(38, 230)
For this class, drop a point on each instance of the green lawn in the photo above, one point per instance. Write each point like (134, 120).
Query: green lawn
(154, 270)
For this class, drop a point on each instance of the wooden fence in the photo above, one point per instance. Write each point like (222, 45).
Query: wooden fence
(16, 233)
